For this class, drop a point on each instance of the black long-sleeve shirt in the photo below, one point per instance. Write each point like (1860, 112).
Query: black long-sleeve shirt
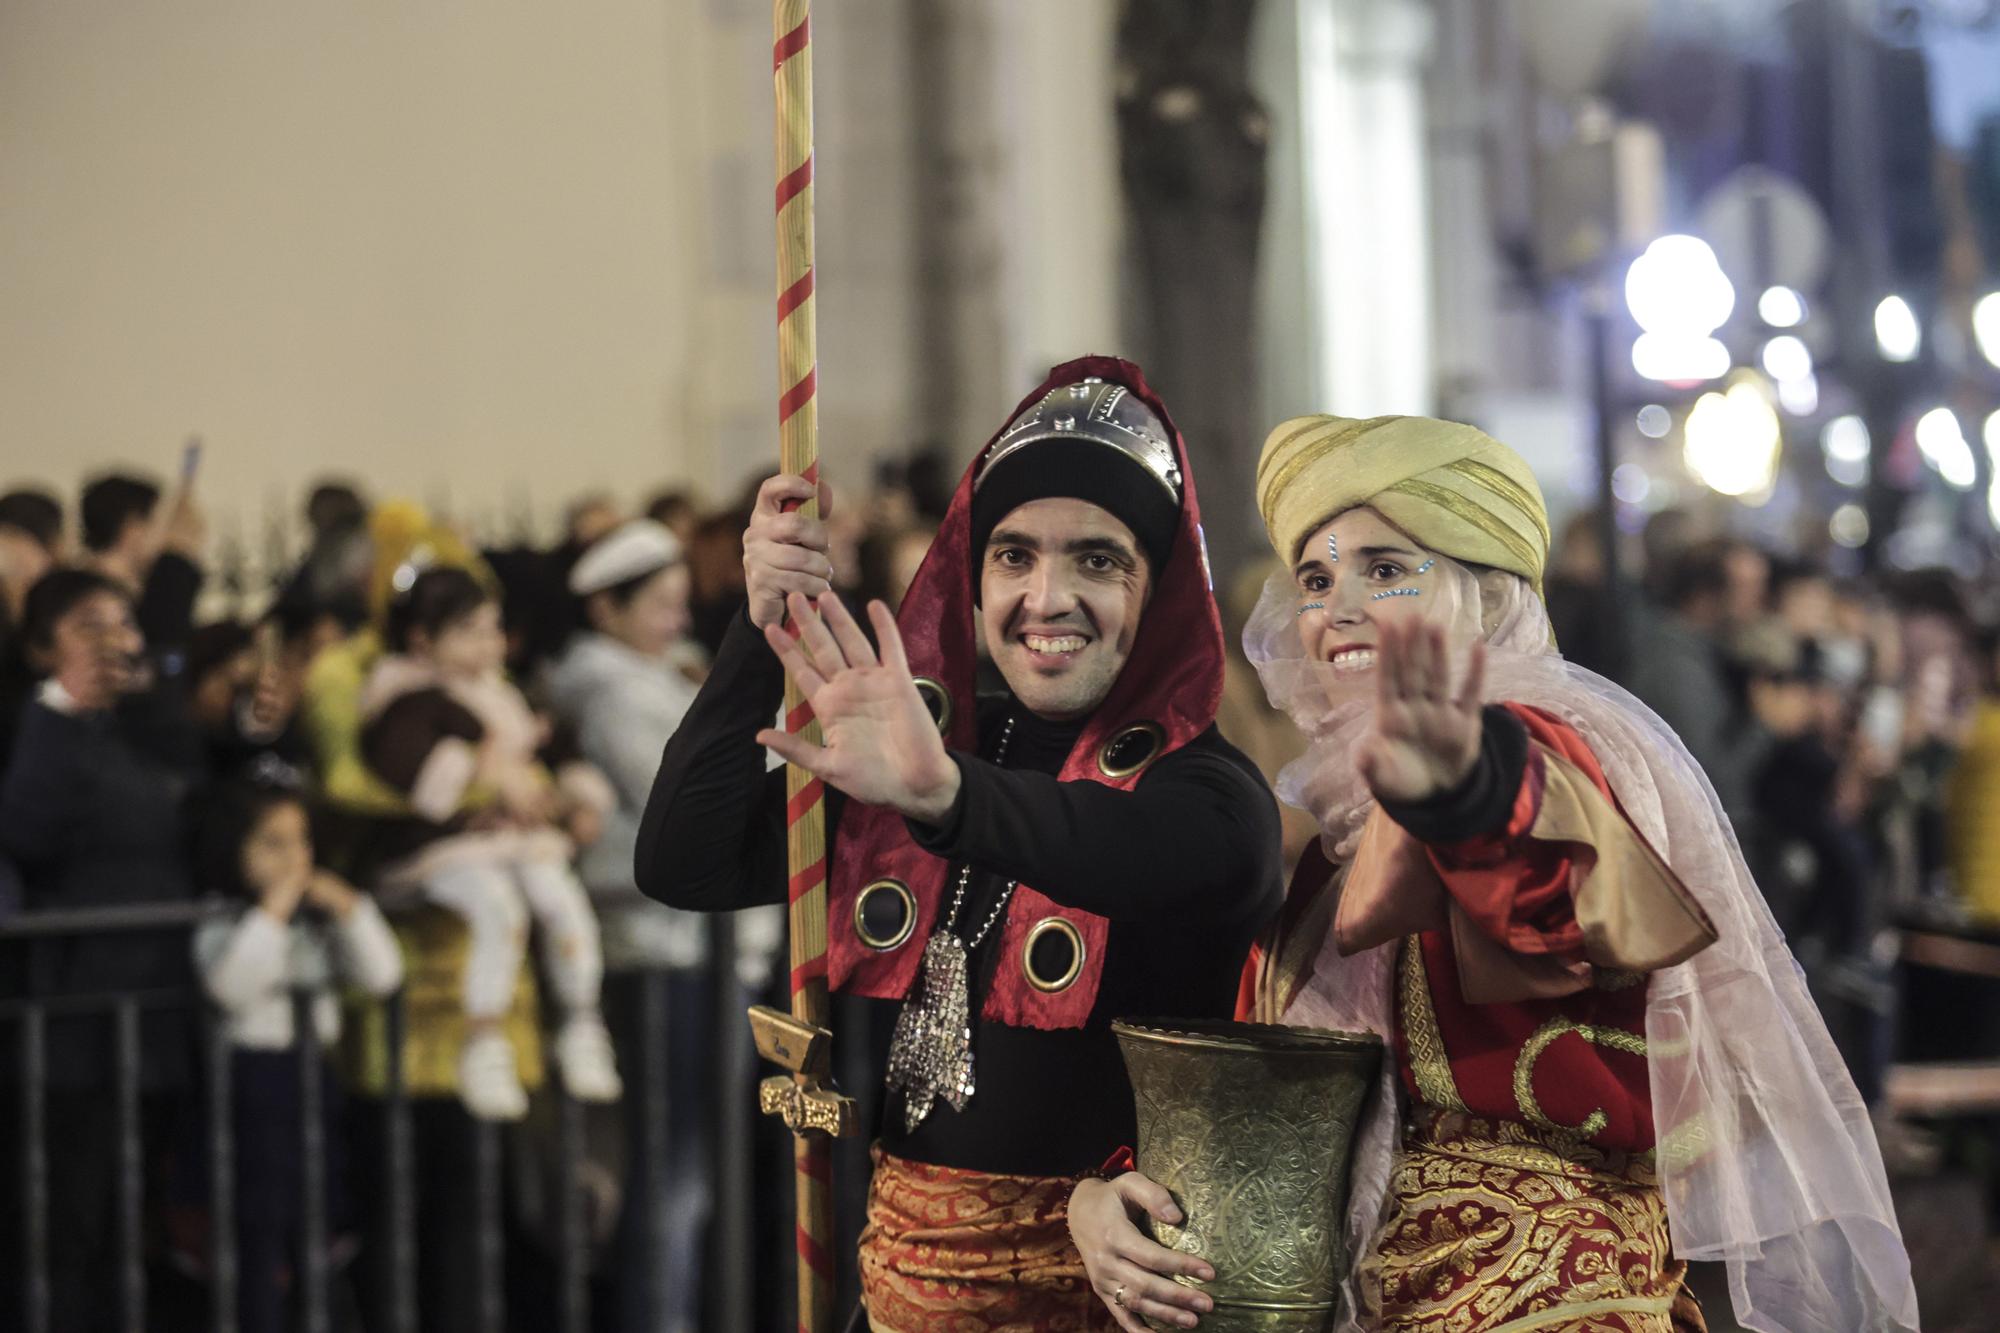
(1186, 867)
(91, 818)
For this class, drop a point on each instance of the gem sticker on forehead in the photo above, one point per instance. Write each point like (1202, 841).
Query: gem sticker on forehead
(1332, 548)
(1312, 606)
(1395, 592)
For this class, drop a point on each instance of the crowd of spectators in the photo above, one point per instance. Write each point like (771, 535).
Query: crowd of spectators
(1847, 725)
(365, 784)
(278, 764)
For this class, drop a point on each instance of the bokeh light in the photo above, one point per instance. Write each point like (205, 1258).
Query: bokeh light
(1849, 526)
(1897, 333)
(1986, 326)
(1786, 357)
(1941, 440)
(1781, 308)
(1733, 440)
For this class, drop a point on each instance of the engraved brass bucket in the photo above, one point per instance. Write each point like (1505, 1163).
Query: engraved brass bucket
(1251, 1127)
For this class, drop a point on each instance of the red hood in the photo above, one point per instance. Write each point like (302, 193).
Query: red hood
(1172, 681)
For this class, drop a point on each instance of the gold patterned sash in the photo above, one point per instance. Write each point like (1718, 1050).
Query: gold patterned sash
(1500, 1228)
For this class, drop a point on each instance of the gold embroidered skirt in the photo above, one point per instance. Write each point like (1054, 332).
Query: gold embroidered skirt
(951, 1251)
(1496, 1228)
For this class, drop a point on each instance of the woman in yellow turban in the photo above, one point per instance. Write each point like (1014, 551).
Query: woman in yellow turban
(1605, 1062)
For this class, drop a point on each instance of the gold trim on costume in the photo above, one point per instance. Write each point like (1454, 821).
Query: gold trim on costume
(1152, 731)
(1498, 1227)
(1290, 954)
(1684, 1144)
(937, 702)
(1519, 1146)
(1060, 926)
(884, 943)
(1618, 1039)
(1567, 1315)
(1429, 1065)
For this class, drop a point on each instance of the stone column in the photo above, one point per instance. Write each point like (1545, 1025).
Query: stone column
(1192, 136)
(958, 333)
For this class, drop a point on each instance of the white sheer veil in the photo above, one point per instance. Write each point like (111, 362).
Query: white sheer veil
(1767, 1158)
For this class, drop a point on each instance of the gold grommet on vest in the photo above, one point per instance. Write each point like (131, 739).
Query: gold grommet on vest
(1053, 925)
(1130, 749)
(883, 942)
(937, 701)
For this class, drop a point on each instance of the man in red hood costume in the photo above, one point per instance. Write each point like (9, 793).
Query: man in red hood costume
(1015, 869)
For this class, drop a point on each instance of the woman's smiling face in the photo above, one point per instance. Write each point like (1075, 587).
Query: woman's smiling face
(1358, 573)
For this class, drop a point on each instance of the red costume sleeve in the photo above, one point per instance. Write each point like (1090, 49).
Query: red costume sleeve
(1514, 887)
(1569, 878)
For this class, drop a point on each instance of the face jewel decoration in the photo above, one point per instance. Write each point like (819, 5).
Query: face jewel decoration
(1425, 567)
(1395, 592)
(1312, 606)
(1332, 548)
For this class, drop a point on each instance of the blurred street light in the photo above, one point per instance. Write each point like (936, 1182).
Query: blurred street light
(1897, 333)
(1941, 440)
(1677, 286)
(1679, 295)
(1781, 308)
(1631, 484)
(1732, 440)
(1846, 444)
(1986, 326)
(1789, 361)
(1799, 396)
(1849, 526)
(1847, 472)
(1675, 359)
(1787, 358)
(1654, 421)
(1991, 433)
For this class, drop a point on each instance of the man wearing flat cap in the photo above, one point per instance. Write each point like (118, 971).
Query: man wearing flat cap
(1012, 870)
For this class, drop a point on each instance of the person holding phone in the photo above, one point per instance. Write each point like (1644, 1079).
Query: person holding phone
(94, 818)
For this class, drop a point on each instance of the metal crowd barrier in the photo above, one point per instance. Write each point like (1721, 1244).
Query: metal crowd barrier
(730, 1226)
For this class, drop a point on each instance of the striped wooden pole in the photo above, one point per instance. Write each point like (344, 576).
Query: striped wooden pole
(798, 423)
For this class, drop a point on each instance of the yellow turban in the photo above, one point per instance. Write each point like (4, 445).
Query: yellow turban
(1452, 487)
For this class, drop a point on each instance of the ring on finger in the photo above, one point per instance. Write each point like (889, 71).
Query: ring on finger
(1118, 1296)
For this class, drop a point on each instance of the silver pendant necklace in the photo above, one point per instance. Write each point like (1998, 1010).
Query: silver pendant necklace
(930, 1056)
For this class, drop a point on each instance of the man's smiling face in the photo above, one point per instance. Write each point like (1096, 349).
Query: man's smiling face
(1062, 584)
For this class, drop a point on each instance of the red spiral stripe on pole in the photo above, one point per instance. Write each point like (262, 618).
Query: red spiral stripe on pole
(805, 811)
